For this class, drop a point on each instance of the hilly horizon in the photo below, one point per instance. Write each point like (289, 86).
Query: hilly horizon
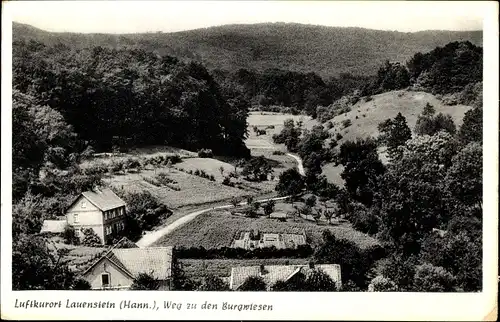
(327, 51)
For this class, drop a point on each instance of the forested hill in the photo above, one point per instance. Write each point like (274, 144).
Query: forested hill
(326, 51)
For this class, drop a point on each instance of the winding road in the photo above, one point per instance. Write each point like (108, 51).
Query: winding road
(151, 237)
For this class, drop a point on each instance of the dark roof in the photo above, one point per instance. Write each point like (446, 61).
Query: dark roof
(156, 261)
(274, 273)
(104, 199)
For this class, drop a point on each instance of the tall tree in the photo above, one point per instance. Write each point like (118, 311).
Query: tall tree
(472, 126)
(290, 183)
(394, 133)
(362, 169)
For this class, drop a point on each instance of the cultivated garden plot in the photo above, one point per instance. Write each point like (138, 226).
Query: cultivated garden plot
(218, 228)
(192, 189)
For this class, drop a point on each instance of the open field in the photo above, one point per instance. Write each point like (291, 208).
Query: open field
(217, 229)
(264, 120)
(196, 268)
(210, 166)
(365, 117)
(388, 105)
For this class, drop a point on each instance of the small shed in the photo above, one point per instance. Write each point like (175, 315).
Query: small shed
(53, 226)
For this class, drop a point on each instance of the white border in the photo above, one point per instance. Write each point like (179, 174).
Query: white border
(289, 306)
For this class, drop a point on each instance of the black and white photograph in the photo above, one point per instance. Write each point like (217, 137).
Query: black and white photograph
(288, 146)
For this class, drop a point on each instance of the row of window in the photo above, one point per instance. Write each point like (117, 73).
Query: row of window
(119, 226)
(113, 213)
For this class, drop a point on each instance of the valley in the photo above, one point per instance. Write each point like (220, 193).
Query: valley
(266, 157)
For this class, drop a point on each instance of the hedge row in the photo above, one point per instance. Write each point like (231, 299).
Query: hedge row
(302, 251)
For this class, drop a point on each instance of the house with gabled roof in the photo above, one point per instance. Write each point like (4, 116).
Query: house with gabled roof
(100, 210)
(118, 267)
(274, 273)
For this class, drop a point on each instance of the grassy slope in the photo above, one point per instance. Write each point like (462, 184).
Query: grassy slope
(327, 51)
(381, 107)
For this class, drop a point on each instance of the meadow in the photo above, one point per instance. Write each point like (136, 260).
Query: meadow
(272, 123)
(365, 116)
(218, 228)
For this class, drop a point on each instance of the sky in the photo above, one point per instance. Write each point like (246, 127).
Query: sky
(169, 16)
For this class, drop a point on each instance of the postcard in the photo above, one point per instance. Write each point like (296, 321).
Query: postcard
(235, 160)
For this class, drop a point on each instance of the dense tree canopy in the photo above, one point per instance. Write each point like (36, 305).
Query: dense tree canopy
(35, 266)
(129, 96)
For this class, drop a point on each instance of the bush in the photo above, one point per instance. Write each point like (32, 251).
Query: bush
(365, 221)
(329, 125)
(90, 238)
(253, 283)
(277, 152)
(429, 278)
(311, 201)
(227, 181)
(382, 284)
(96, 168)
(346, 123)
(205, 153)
(213, 283)
(338, 136)
(70, 237)
(81, 285)
(144, 213)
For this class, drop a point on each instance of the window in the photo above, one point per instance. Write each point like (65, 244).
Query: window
(75, 218)
(109, 230)
(105, 279)
(84, 204)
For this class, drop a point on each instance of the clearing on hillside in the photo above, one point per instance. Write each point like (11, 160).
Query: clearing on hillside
(366, 116)
(272, 123)
(387, 105)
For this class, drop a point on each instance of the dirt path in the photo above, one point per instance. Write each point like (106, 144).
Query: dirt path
(151, 237)
(299, 163)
